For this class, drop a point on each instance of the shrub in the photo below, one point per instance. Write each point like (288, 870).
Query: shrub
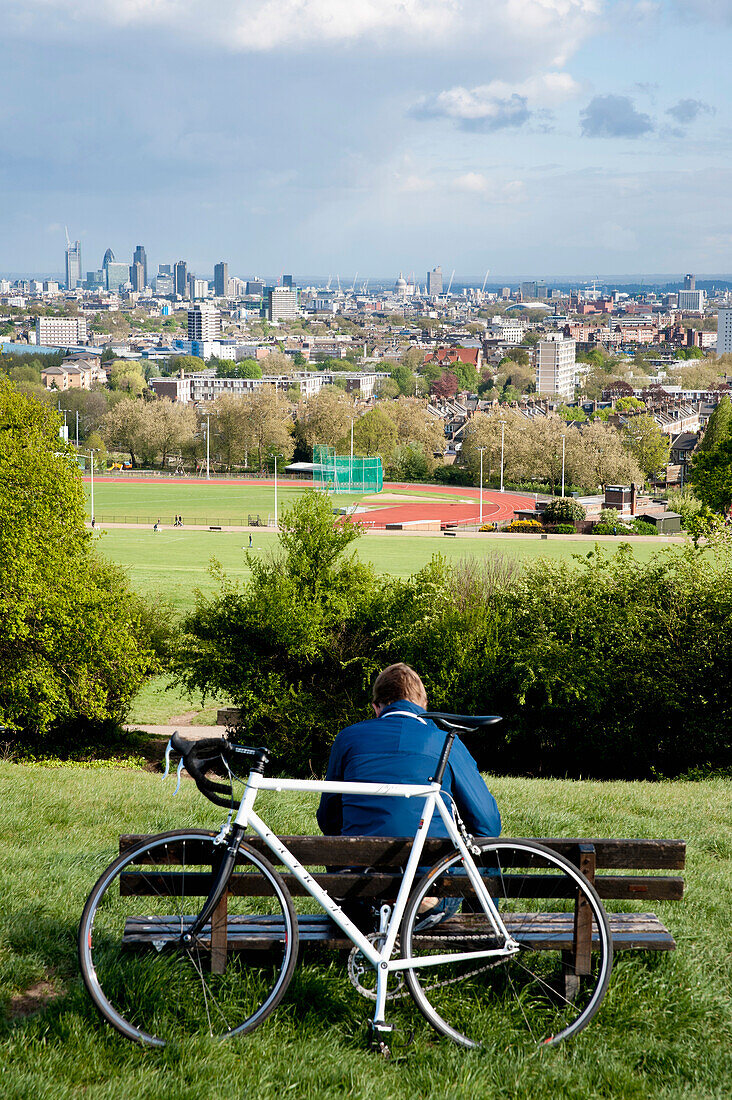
(526, 526)
(641, 527)
(561, 529)
(563, 510)
(612, 529)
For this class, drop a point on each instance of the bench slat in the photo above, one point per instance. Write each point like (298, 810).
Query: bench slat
(348, 851)
(548, 931)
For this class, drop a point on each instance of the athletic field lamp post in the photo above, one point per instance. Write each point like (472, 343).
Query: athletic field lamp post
(564, 441)
(503, 432)
(208, 447)
(91, 470)
(481, 486)
(276, 522)
(350, 468)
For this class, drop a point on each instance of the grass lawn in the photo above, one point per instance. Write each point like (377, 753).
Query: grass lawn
(172, 562)
(664, 1031)
(200, 502)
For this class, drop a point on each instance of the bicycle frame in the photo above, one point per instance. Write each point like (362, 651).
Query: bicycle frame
(380, 959)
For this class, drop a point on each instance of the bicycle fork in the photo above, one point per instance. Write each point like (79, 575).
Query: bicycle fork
(231, 837)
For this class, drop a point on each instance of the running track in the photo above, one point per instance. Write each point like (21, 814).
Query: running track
(461, 506)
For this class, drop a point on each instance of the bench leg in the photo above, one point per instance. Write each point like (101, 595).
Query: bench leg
(218, 935)
(578, 961)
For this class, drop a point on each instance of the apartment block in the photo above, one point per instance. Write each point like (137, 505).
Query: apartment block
(555, 365)
(60, 332)
(724, 331)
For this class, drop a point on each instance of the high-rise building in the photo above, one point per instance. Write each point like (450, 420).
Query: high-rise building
(281, 303)
(724, 331)
(528, 291)
(115, 275)
(555, 366)
(204, 322)
(163, 285)
(137, 276)
(221, 280)
(255, 287)
(73, 265)
(139, 256)
(94, 280)
(689, 282)
(288, 281)
(181, 278)
(434, 282)
(165, 269)
(60, 332)
(108, 258)
(692, 301)
(197, 288)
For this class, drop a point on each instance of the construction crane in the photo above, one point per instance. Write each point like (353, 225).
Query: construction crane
(330, 280)
(353, 288)
(447, 294)
(68, 239)
(482, 289)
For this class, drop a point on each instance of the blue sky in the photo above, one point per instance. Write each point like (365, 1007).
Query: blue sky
(528, 137)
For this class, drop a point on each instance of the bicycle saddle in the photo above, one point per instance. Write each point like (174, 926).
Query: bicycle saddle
(462, 721)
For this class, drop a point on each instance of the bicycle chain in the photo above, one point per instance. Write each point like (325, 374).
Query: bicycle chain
(397, 995)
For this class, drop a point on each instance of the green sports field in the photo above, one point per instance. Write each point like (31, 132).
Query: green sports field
(173, 563)
(202, 502)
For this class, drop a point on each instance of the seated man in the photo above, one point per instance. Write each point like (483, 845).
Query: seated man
(400, 746)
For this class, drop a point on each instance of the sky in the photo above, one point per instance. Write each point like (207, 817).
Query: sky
(528, 138)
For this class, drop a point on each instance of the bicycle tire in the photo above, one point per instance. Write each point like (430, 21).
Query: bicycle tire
(140, 976)
(532, 998)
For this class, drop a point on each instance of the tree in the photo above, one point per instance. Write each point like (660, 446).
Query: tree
(711, 476)
(466, 374)
(245, 368)
(187, 363)
(605, 460)
(375, 434)
(171, 427)
(73, 649)
(122, 427)
(404, 378)
(719, 426)
(414, 424)
(326, 417)
(278, 363)
(647, 443)
(629, 404)
(563, 510)
(446, 385)
(126, 375)
(269, 423)
(519, 355)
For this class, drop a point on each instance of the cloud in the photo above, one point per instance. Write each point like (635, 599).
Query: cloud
(475, 183)
(556, 26)
(688, 110)
(497, 105)
(613, 116)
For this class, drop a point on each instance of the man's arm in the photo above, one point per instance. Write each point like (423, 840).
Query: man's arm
(330, 810)
(476, 804)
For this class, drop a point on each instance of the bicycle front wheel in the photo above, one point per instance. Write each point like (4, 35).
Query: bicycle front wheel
(550, 989)
(152, 987)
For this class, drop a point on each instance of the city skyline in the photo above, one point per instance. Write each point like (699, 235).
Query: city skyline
(527, 136)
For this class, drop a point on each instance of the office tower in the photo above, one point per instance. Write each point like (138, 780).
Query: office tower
(116, 275)
(197, 288)
(221, 280)
(506, 292)
(528, 290)
(281, 303)
(692, 301)
(94, 280)
(434, 282)
(163, 285)
(255, 287)
(555, 366)
(73, 264)
(724, 331)
(542, 290)
(689, 282)
(165, 269)
(137, 276)
(139, 257)
(108, 258)
(288, 282)
(204, 322)
(180, 272)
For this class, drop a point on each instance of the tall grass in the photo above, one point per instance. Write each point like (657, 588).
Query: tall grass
(665, 1029)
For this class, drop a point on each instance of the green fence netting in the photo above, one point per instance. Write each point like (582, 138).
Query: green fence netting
(342, 474)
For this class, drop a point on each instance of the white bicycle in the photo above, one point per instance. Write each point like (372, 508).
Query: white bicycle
(498, 968)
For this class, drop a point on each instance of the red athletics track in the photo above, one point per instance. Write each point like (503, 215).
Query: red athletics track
(497, 507)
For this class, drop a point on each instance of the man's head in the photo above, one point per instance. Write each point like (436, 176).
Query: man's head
(396, 682)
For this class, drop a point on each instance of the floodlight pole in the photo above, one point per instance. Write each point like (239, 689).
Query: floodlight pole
(91, 466)
(208, 448)
(350, 468)
(481, 486)
(563, 464)
(276, 522)
(503, 431)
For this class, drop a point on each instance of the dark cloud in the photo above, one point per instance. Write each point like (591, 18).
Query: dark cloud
(688, 110)
(613, 116)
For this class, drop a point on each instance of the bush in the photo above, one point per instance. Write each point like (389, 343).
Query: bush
(612, 529)
(561, 529)
(563, 510)
(641, 527)
(531, 526)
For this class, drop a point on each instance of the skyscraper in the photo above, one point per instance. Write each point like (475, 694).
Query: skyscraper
(73, 264)
(204, 322)
(115, 275)
(221, 280)
(288, 281)
(281, 303)
(137, 276)
(434, 282)
(689, 282)
(139, 257)
(108, 258)
(180, 272)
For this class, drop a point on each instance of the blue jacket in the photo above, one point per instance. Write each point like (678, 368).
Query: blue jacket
(395, 748)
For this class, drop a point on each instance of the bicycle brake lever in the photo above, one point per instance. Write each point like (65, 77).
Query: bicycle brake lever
(180, 772)
(168, 750)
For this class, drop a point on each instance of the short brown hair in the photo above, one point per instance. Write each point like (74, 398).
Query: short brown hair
(398, 681)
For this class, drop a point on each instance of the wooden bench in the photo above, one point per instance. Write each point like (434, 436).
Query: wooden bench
(385, 858)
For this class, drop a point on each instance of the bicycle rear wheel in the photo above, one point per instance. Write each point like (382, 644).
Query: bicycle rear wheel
(142, 978)
(548, 990)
